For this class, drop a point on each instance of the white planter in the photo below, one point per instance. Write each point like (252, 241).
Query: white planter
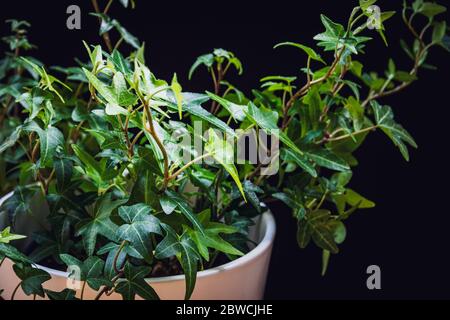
(241, 279)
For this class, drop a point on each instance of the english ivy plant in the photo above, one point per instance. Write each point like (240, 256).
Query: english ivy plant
(100, 149)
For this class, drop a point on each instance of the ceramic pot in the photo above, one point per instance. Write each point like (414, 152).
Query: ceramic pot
(241, 279)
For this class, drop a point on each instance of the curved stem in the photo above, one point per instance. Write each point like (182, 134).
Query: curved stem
(346, 136)
(15, 291)
(82, 290)
(116, 257)
(105, 35)
(187, 165)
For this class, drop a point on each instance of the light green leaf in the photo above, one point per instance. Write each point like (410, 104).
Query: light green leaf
(309, 51)
(176, 88)
(6, 236)
(223, 152)
(235, 110)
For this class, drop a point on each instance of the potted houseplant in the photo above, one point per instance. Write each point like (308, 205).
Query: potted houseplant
(124, 186)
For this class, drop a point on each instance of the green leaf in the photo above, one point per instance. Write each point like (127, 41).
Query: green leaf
(12, 253)
(332, 35)
(66, 294)
(223, 152)
(267, 120)
(185, 209)
(430, 9)
(167, 204)
(439, 31)
(354, 199)
(135, 284)
(19, 203)
(32, 279)
(309, 51)
(193, 107)
(384, 118)
(189, 262)
(325, 261)
(315, 226)
(11, 140)
(327, 159)
(64, 171)
(206, 60)
(356, 112)
(365, 4)
(140, 225)
(169, 246)
(404, 76)
(301, 160)
(176, 88)
(6, 236)
(51, 139)
(93, 168)
(99, 223)
(235, 110)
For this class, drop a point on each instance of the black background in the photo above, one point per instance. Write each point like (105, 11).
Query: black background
(406, 234)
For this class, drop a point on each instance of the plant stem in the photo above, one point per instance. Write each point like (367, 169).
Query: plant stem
(105, 35)
(151, 129)
(116, 257)
(15, 291)
(187, 165)
(82, 290)
(346, 136)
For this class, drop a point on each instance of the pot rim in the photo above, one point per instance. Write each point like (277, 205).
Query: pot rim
(266, 220)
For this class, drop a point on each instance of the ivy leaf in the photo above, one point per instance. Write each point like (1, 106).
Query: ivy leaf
(64, 170)
(99, 223)
(11, 140)
(91, 270)
(12, 253)
(186, 252)
(439, 31)
(185, 209)
(176, 88)
(327, 159)
(301, 160)
(66, 294)
(332, 35)
(315, 226)
(135, 284)
(115, 96)
(120, 63)
(189, 262)
(235, 110)
(140, 225)
(222, 151)
(169, 246)
(19, 203)
(384, 118)
(6, 236)
(108, 23)
(31, 279)
(93, 273)
(430, 9)
(51, 139)
(167, 205)
(365, 4)
(47, 81)
(267, 120)
(206, 60)
(309, 51)
(193, 107)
